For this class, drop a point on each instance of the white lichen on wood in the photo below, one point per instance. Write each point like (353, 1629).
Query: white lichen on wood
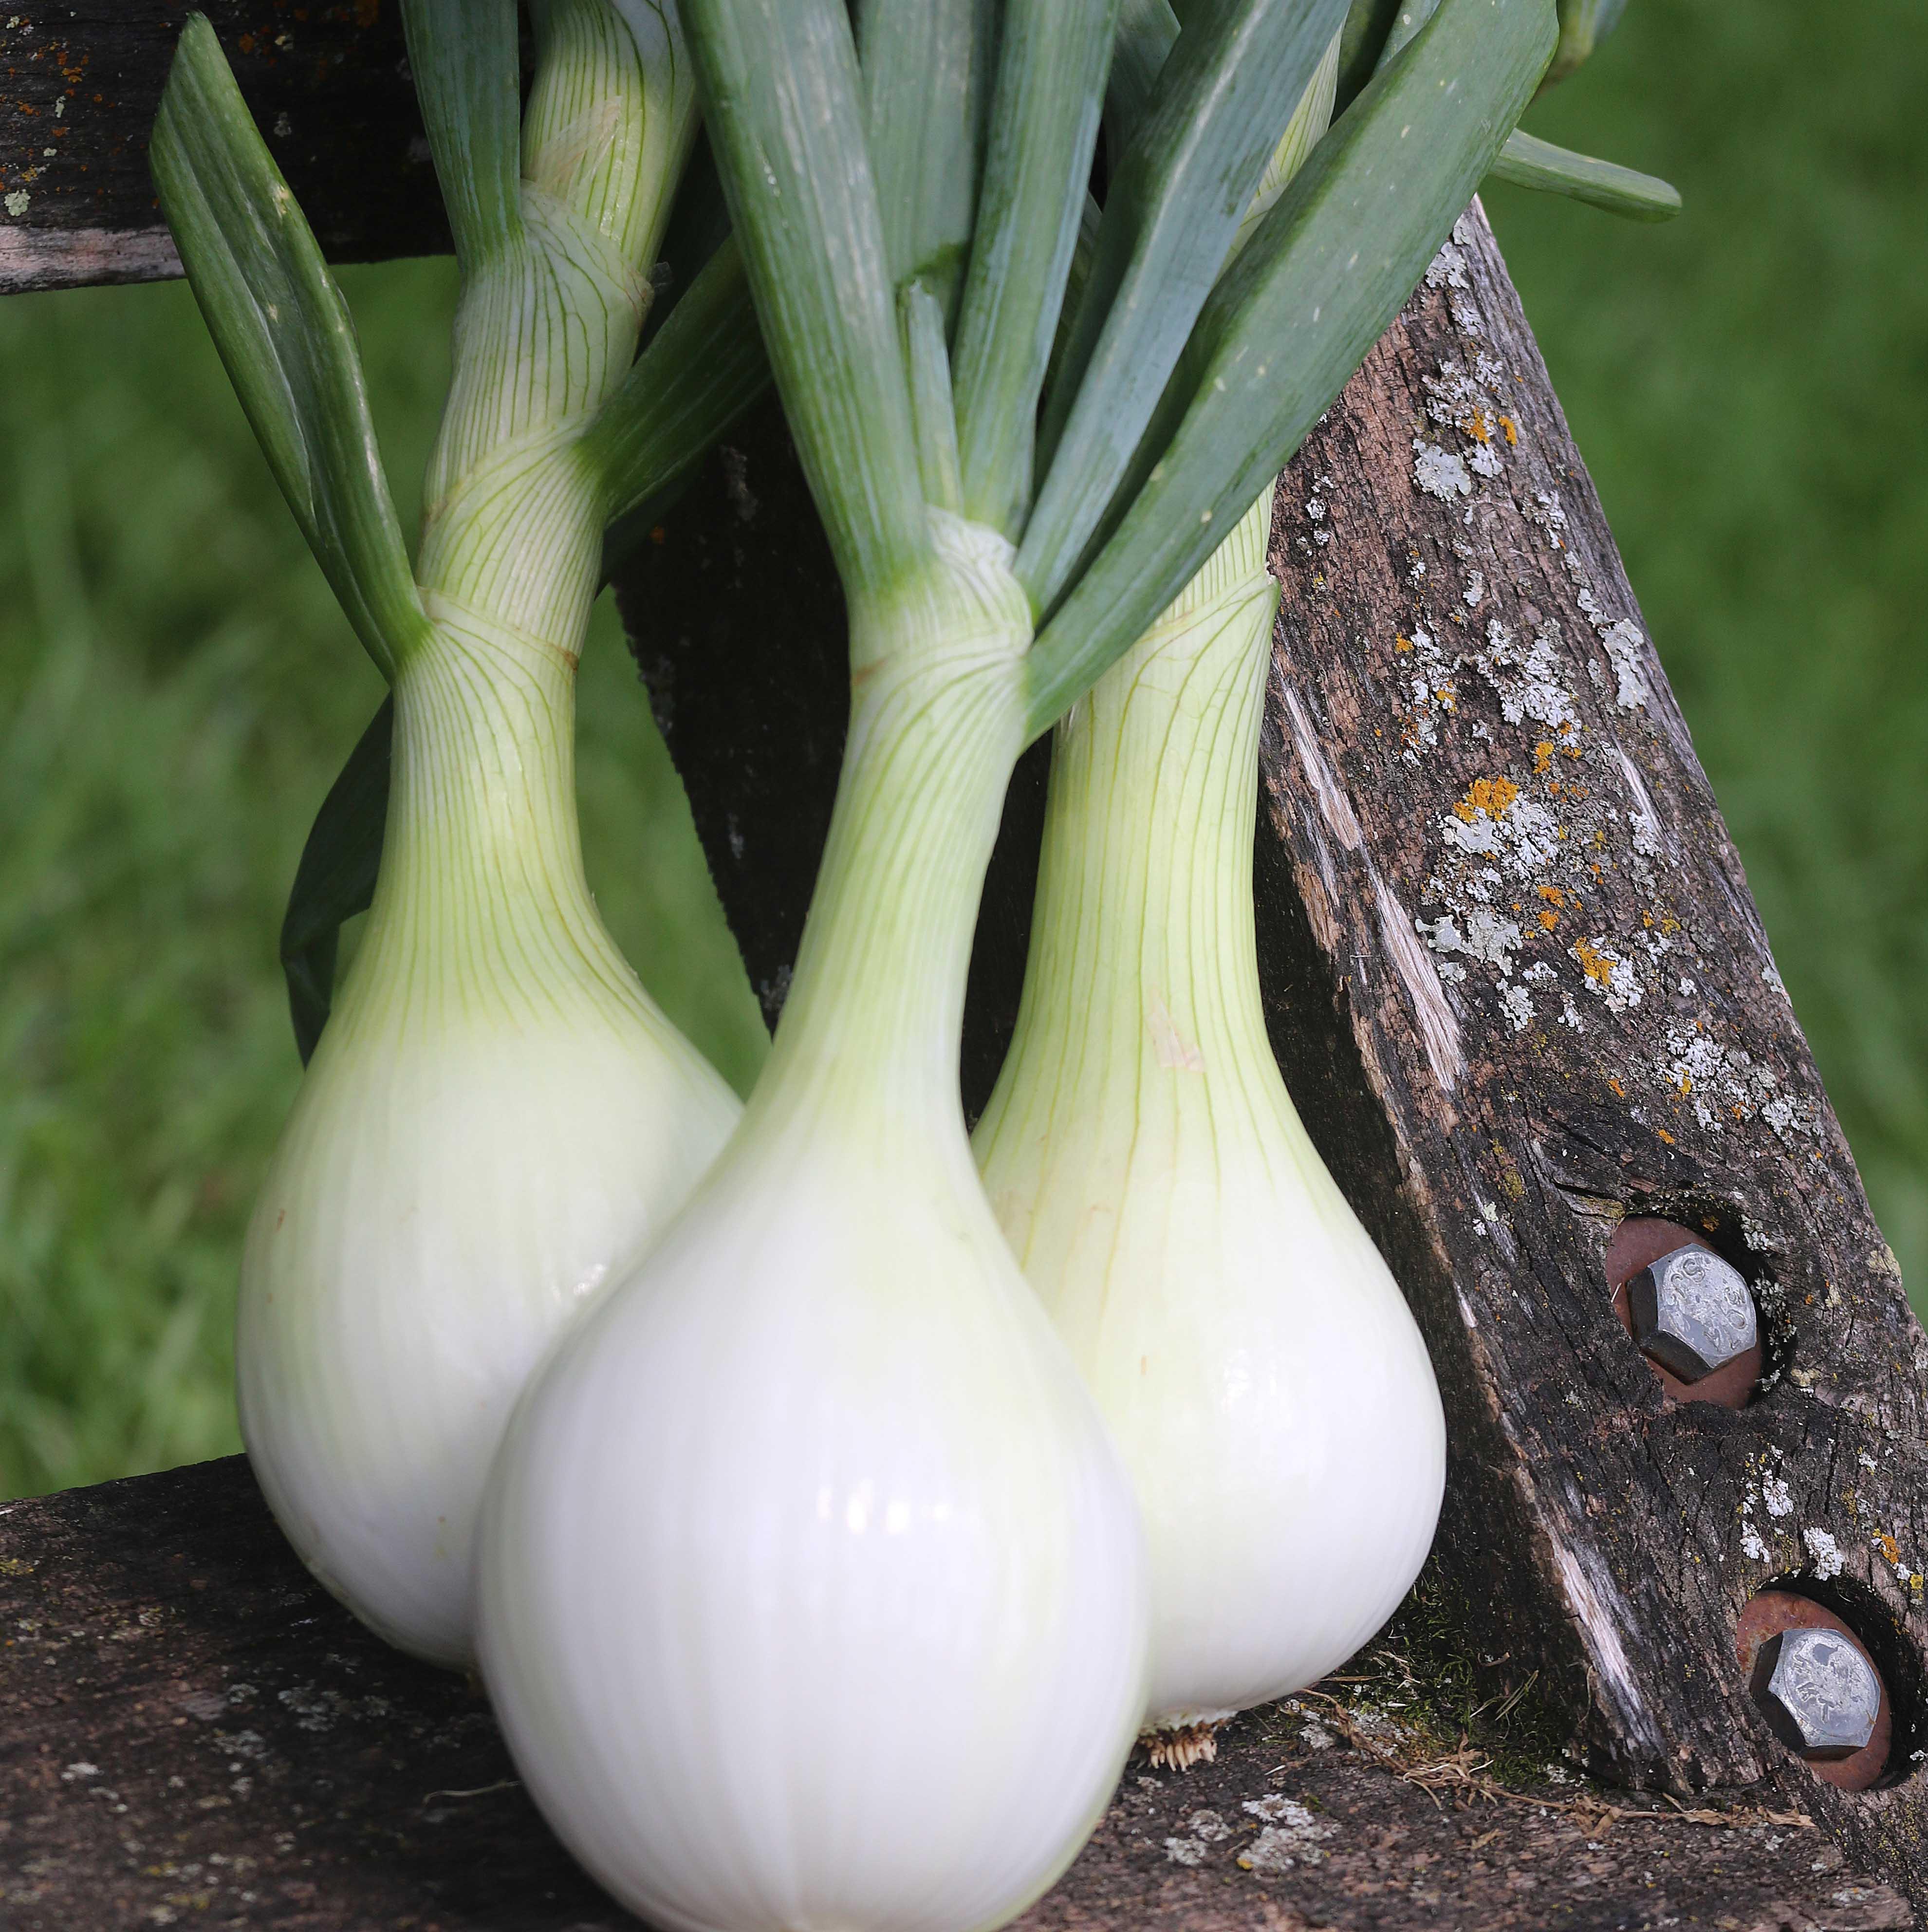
(1438, 473)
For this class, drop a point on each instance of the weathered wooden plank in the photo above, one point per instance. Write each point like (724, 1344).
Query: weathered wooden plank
(79, 82)
(1520, 993)
(1516, 884)
(191, 1732)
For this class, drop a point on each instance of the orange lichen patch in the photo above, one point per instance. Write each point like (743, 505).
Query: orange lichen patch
(1512, 434)
(1552, 895)
(1665, 1136)
(1477, 426)
(1597, 965)
(1402, 645)
(1888, 1547)
(1549, 920)
(1491, 796)
(1542, 754)
(1617, 1087)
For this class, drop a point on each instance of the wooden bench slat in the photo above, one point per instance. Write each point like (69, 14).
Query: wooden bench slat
(329, 86)
(192, 1732)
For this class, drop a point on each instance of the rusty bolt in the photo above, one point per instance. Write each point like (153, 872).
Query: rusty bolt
(1767, 1620)
(1638, 1243)
(1818, 1691)
(1692, 1312)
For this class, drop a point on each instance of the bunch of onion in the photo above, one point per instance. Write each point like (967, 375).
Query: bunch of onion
(497, 1115)
(812, 1590)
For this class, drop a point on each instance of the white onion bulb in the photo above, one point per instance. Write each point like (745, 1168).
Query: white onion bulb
(1254, 1359)
(496, 1116)
(812, 1593)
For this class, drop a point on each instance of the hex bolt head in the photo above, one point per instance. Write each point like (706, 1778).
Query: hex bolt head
(1818, 1691)
(1692, 1312)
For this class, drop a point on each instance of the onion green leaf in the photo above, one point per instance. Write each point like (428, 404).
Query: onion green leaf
(1529, 162)
(931, 412)
(1410, 17)
(1220, 105)
(927, 70)
(1147, 30)
(1315, 287)
(700, 371)
(1367, 24)
(336, 877)
(784, 97)
(286, 338)
(1584, 24)
(463, 55)
(1050, 87)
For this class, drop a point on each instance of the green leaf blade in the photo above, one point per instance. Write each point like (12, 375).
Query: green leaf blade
(701, 370)
(1584, 24)
(1529, 162)
(1051, 71)
(1285, 328)
(782, 96)
(286, 337)
(1147, 30)
(927, 70)
(1367, 24)
(466, 59)
(931, 406)
(336, 877)
(1222, 103)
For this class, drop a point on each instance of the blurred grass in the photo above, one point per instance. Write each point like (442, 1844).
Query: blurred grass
(1750, 388)
(177, 692)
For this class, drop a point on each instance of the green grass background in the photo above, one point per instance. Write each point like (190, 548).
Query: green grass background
(1750, 386)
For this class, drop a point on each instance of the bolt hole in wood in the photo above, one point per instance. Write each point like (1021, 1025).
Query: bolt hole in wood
(1640, 1246)
(1849, 1610)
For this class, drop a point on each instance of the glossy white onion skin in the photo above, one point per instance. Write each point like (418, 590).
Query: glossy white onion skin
(812, 1592)
(1257, 1363)
(497, 1116)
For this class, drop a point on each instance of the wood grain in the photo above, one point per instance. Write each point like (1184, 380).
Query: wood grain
(328, 86)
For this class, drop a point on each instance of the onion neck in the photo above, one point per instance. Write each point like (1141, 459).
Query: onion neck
(1143, 960)
(482, 894)
(870, 1031)
(481, 906)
